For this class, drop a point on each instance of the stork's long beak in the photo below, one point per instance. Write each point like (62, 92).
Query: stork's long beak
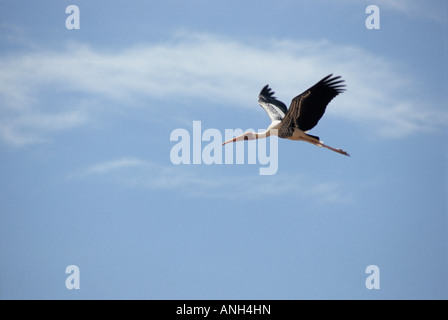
(228, 141)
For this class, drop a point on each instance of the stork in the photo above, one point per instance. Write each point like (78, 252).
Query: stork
(303, 114)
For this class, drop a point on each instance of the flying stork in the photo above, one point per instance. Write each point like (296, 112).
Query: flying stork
(303, 114)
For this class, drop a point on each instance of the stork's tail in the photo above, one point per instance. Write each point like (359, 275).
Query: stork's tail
(314, 137)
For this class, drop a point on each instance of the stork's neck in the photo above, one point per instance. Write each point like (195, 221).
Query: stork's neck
(264, 134)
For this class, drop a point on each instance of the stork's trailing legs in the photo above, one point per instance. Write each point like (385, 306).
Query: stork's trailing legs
(345, 153)
(319, 143)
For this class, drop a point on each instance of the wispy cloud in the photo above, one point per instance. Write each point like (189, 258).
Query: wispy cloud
(111, 166)
(29, 128)
(143, 174)
(16, 35)
(34, 86)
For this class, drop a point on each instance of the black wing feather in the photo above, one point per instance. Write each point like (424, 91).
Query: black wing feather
(274, 108)
(308, 108)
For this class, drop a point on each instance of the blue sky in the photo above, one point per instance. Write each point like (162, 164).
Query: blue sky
(85, 123)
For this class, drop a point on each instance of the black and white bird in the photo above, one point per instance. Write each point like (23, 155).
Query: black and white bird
(304, 113)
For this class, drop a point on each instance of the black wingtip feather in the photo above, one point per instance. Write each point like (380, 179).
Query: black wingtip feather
(334, 83)
(266, 91)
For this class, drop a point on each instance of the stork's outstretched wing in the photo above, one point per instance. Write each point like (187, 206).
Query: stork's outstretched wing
(307, 108)
(273, 107)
